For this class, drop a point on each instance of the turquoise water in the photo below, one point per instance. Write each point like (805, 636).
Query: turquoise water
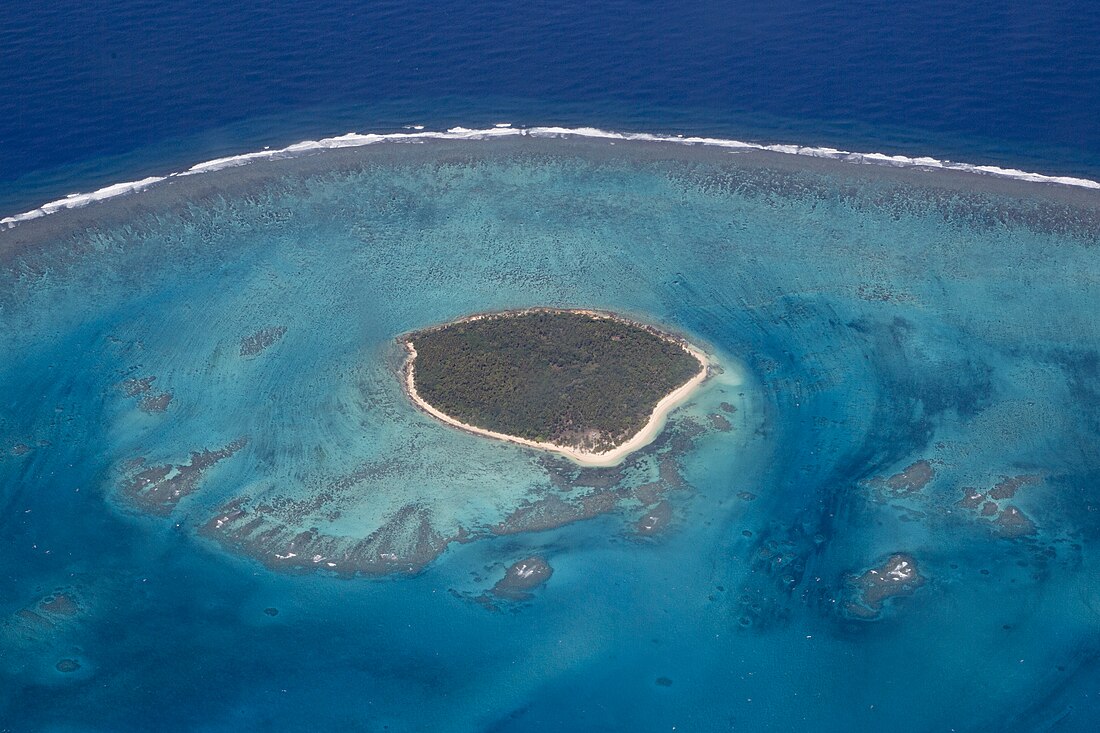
(894, 346)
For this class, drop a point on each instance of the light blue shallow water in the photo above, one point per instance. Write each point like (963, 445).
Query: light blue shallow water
(865, 321)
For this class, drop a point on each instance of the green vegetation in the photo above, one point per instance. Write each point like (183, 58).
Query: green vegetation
(565, 377)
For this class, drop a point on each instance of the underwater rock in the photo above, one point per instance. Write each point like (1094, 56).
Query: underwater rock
(67, 666)
(1013, 523)
(135, 387)
(1007, 487)
(650, 492)
(45, 617)
(669, 470)
(972, 498)
(909, 481)
(553, 511)
(289, 534)
(403, 544)
(655, 520)
(143, 387)
(260, 341)
(155, 403)
(1008, 522)
(157, 490)
(59, 604)
(720, 423)
(897, 576)
(522, 577)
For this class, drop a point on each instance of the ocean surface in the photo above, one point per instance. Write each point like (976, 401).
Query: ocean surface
(94, 93)
(219, 511)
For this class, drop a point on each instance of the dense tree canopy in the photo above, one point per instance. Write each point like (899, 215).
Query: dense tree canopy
(567, 377)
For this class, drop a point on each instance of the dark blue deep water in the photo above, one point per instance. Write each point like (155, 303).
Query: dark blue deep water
(96, 92)
(219, 512)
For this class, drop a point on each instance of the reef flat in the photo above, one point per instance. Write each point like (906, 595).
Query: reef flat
(592, 386)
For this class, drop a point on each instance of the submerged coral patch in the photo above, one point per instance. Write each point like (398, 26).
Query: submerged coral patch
(262, 340)
(897, 576)
(158, 489)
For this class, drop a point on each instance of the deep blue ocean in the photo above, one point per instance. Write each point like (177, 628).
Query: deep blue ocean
(220, 512)
(92, 93)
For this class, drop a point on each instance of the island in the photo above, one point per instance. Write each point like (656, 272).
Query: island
(590, 385)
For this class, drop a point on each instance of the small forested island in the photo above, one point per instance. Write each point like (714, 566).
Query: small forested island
(588, 384)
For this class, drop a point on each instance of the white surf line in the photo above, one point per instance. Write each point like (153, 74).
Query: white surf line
(589, 459)
(354, 140)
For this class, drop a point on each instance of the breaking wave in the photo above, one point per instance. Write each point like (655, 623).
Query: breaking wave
(353, 140)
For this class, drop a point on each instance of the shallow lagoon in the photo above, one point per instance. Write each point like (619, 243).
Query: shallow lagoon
(895, 345)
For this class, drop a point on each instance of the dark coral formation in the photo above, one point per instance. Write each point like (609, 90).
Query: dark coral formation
(1005, 520)
(582, 493)
(520, 579)
(554, 511)
(156, 402)
(972, 499)
(1013, 523)
(523, 577)
(157, 490)
(271, 530)
(143, 387)
(45, 616)
(59, 604)
(260, 341)
(718, 422)
(909, 481)
(405, 543)
(868, 592)
(137, 386)
(608, 492)
(655, 520)
(287, 533)
(1007, 487)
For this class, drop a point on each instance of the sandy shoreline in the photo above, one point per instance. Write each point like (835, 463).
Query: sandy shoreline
(585, 458)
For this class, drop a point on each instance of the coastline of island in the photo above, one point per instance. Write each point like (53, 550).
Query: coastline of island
(588, 459)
